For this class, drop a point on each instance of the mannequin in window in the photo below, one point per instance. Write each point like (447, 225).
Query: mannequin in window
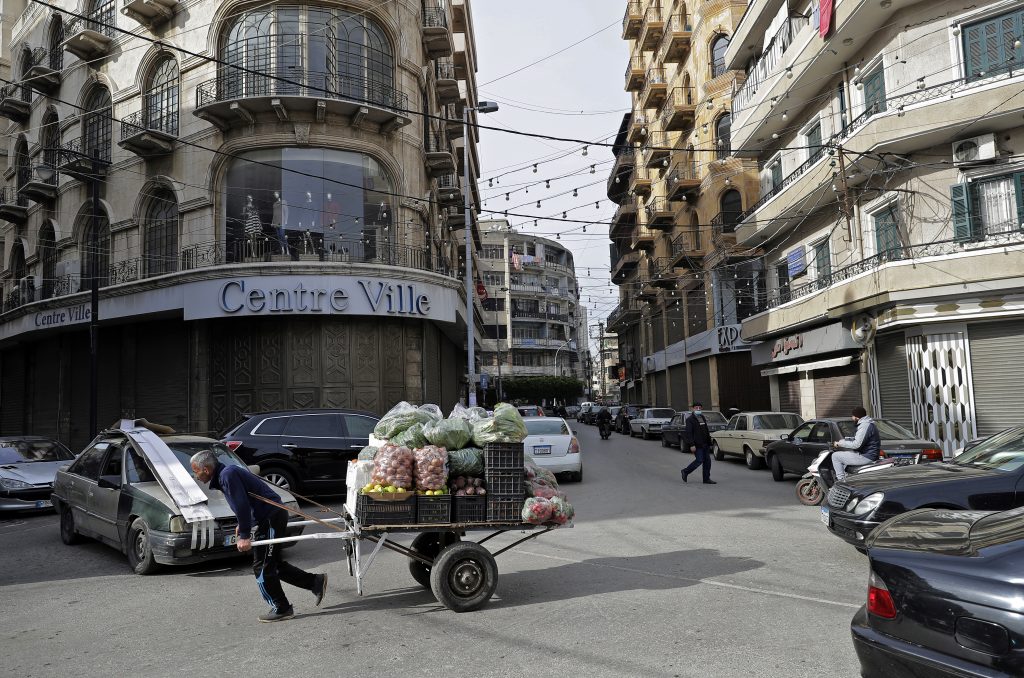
(308, 247)
(331, 212)
(308, 207)
(280, 221)
(253, 227)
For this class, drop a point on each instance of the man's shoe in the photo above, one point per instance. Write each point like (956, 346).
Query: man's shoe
(684, 474)
(320, 588)
(278, 616)
(710, 482)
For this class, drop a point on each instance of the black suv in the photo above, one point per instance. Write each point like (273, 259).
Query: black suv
(627, 412)
(303, 450)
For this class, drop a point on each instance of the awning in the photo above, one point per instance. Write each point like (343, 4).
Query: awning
(807, 367)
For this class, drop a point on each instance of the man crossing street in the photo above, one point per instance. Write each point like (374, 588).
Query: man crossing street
(697, 437)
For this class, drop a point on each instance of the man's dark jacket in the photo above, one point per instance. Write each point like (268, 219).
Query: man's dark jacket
(696, 433)
(236, 483)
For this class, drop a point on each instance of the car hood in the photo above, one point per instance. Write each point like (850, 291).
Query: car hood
(215, 498)
(33, 472)
(917, 474)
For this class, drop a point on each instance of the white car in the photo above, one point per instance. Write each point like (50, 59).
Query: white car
(28, 465)
(553, 445)
(650, 422)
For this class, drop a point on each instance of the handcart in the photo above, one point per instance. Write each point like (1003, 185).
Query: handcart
(461, 573)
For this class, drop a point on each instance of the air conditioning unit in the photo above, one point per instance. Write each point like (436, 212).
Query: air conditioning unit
(975, 149)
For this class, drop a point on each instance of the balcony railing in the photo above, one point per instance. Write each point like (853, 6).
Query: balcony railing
(635, 73)
(623, 312)
(676, 41)
(652, 27)
(632, 20)
(725, 223)
(101, 20)
(686, 243)
(769, 63)
(778, 297)
(234, 85)
(148, 120)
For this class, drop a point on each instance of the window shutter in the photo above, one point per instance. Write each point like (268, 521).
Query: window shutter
(1018, 180)
(962, 227)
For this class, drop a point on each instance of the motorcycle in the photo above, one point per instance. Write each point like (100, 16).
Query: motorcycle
(821, 475)
(605, 428)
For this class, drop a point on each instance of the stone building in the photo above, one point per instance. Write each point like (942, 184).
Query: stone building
(277, 200)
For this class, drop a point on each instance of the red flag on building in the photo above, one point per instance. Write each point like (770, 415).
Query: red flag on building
(481, 291)
(826, 10)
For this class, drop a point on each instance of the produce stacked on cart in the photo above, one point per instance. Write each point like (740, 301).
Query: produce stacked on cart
(546, 503)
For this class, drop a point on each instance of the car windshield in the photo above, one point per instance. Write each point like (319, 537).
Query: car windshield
(661, 413)
(715, 417)
(786, 422)
(183, 452)
(546, 427)
(888, 430)
(529, 411)
(23, 451)
(1002, 452)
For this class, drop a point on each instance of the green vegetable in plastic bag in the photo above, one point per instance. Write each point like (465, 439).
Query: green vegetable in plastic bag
(411, 437)
(368, 453)
(402, 416)
(451, 434)
(466, 462)
(506, 426)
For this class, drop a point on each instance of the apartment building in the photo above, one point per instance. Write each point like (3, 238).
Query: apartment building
(606, 374)
(684, 284)
(534, 324)
(264, 195)
(891, 207)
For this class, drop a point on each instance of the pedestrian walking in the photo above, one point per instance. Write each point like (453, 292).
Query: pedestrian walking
(698, 438)
(237, 483)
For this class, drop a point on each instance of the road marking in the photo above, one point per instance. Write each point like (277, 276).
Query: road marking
(710, 582)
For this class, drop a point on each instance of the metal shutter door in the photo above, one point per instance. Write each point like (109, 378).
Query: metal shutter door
(789, 392)
(995, 352)
(700, 370)
(161, 374)
(837, 391)
(45, 387)
(893, 380)
(660, 380)
(12, 392)
(677, 377)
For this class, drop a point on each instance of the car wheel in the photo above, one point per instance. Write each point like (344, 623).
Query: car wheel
(664, 443)
(578, 476)
(754, 462)
(717, 452)
(464, 576)
(644, 434)
(280, 478)
(140, 551)
(428, 544)
(778, 473)
(68, 534)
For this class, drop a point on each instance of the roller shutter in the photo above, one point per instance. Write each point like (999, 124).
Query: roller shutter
(893, 380)
(997, 374)
(837, 391)
(680, 395)
(700, 371)
(12, 392)
(789, 392)
(161, 374)
(45, 387)
(660, 382)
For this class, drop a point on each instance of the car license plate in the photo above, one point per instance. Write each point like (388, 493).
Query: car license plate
(541, 449)
(231, 540)
(44, 503)
(825, 516)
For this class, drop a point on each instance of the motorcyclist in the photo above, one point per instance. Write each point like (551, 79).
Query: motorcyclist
(604, 419)
(866, 445)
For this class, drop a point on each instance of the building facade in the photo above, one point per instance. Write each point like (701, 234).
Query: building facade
(684, 283)
(606, 374)
(265, 197)
(534, 323)
(891, 208)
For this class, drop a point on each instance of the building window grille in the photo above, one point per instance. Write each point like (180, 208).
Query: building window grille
(718, 49)
(96, 124)
(160, 233)
(48, 258)
(56, 51)
(161, 99)
(95, 253)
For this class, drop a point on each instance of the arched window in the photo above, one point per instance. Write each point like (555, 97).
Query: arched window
(160, 232)
(161, 101)
(48, 258)
(56, 51)
(18, 269)
(49, 138)
(24, 171)
(723, 131)
(731, 207)
(26, 66)
(96, 124)
(103, 17)
(695, 239)
(95, 245)
(312, 51)
(718, 48)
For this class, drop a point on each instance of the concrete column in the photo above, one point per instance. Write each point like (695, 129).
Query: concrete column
(773, 390)
(715, 403)
(807, 404)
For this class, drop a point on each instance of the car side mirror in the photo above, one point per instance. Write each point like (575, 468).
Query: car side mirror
(785, 436)
(254, 468)
(110, 482)
(574, 432)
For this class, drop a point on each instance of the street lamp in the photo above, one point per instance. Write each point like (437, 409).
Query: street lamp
(565, 343)
(482, 107)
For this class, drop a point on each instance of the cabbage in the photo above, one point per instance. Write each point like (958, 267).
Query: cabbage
(402, 416)
(411, 437)
(451, 434)
(466, 462)
(506, 426)
(368, 453)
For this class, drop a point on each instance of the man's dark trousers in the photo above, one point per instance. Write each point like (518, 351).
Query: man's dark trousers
(703, 458)
(270, 569)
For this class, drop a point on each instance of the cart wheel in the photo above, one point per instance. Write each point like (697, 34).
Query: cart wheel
(428, 544)
(464, 576)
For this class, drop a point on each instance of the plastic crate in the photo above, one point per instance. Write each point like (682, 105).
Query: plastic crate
(504, 482)
(433, 510)
(505, 509)
(503, 455)
(467, 509)
(370, 511)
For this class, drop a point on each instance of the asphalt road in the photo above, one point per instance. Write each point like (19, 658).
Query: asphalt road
(657, 579)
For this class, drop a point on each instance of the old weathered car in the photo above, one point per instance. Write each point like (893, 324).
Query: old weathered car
(748, 434)
(123, 492)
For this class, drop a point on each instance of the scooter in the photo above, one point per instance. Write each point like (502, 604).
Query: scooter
(605, 428)
(821, 475)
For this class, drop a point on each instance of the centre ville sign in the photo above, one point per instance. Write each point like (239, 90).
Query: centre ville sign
(399, 299)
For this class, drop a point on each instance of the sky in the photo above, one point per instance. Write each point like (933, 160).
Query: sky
(576, 94)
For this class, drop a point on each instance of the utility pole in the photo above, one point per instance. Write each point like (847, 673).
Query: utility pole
(600, 352)
(847, 207)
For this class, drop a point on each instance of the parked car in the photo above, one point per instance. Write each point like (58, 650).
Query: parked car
(586, 413)
(304, 450)
(530, 411)
(113, 493)
(672, 433)
(943, 596)
(795, 452)
(572, 411)
(28, 465)
(985, 478)
(548, 410)
(626, 413)
(747, 434)
(648, 424)
(552, 444)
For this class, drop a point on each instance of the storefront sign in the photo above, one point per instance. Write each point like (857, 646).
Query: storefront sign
(728, 338)
(59, 317)
(786, 345)
(818, 341)
(796, 262)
